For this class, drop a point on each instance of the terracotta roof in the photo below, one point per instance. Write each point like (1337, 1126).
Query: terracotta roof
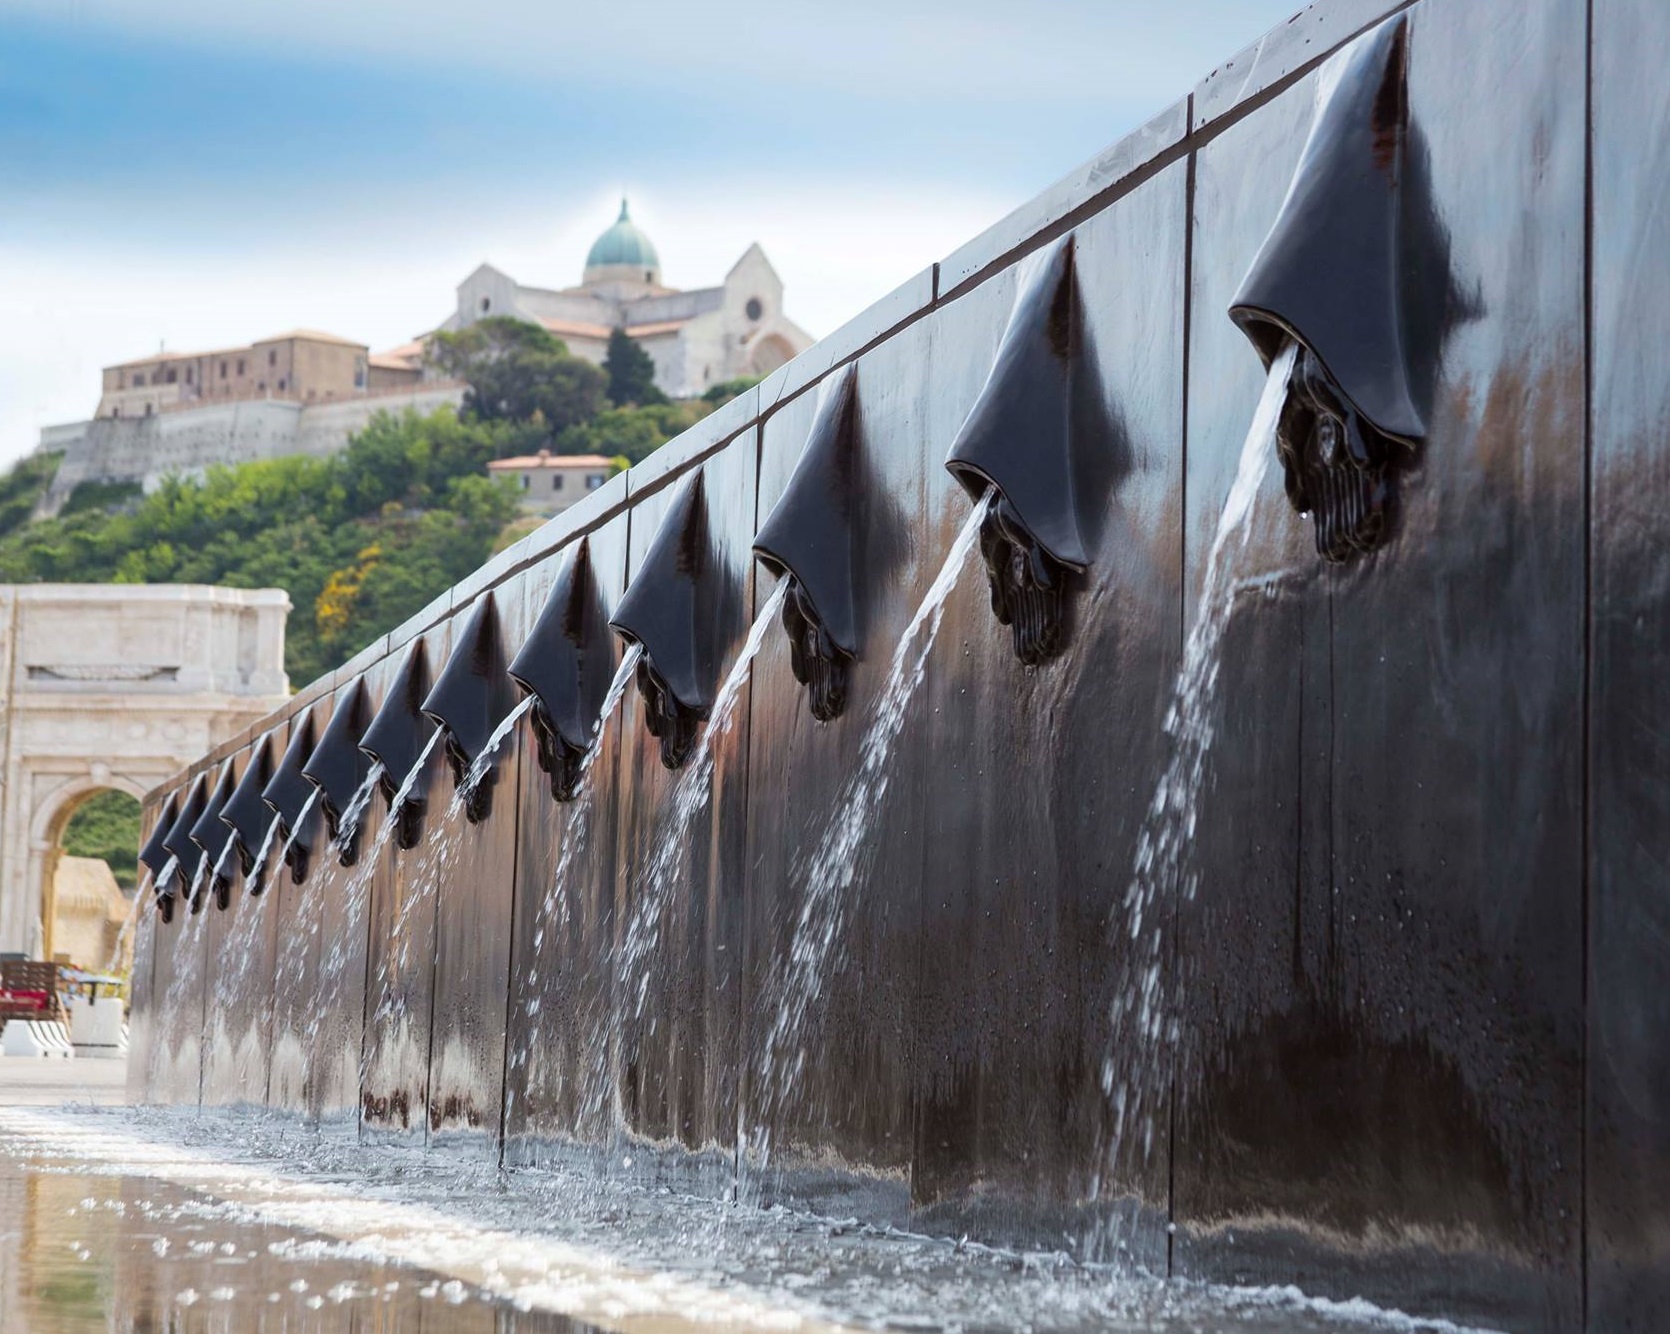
(577, 328)
(307, 336)
(405, 354)
(660, 327)
(158, 358)
(546, 459)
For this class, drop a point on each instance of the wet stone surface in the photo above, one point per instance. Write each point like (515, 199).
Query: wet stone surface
(122, 1219)
(91, 1252)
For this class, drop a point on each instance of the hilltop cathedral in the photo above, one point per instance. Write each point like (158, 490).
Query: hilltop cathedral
(305, 392)
(696, 339)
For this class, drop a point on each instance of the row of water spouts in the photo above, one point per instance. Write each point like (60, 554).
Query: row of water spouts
(825, 874)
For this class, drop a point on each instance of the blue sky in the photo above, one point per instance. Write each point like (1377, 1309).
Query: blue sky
(198, 174)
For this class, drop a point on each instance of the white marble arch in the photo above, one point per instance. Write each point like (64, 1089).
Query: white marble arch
(115, 686)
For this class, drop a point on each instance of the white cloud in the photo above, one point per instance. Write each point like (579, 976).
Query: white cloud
(1060, 49)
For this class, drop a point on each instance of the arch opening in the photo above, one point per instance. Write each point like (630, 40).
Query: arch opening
(769, 353)
(90, 879)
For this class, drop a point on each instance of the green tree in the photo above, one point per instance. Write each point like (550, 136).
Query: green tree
(22, 488)
(631, 372)
(101, 496)
(635, 432)
(410, 490)
(519, 372)
(106, 826)
(723, 392)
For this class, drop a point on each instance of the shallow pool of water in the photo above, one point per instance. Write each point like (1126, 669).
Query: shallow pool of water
(156, 1219)
(92, 1252)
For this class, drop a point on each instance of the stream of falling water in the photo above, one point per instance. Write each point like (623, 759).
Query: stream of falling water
(435, 856)
(825, 877)
(301, 824)
(1145, 1028)
(258, 867)
(113, 962)
(576, 830)
(349, 823)
(197, 879)
(219, 871)
(668, 862)
(484, 761)
(339, 949)
(288, 1064)
(663, 870)
(188, 958)
(553, 911)
(407, 783)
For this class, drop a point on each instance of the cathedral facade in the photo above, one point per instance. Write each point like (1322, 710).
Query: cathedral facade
(696, 338)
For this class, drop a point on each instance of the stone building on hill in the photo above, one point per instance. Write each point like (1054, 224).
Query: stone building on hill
(303, 366)
(549, 482)
(696, 338)
(305, 392)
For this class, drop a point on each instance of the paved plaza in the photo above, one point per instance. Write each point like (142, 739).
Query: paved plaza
(32, 1081)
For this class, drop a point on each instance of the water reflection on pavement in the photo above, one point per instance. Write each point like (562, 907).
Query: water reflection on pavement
(81, 1253)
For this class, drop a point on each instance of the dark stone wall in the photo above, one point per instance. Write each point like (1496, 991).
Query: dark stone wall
(1385, 1070)
(1392, 1023)
(238, 992)
(1628, 1013)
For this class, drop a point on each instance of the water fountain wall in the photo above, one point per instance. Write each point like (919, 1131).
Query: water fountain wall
(1408, 922)
(1031, 824)
(680, 868)
(305, 908)
(335, 1028)
(562, 998)
(176, 1052)
(1628, 798)
(239, 964)
(1337, 965)
(394, 1091)
(475, 892)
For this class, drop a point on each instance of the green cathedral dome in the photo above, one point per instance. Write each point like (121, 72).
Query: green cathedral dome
(623, 246)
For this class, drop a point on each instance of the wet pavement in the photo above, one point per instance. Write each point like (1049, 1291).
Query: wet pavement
(30, 1081)
(82, 1252)
(179, 1220)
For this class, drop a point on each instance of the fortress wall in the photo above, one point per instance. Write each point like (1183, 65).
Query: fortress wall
(169, 444)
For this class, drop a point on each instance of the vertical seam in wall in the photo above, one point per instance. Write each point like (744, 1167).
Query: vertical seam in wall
(1331, 983)
(434, 978)
(620, 881)
(1586, 820)
(744, 1065)
(275, 887)
(1182, 648)
(203, 1008)
(510, 960)
(388, 853)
